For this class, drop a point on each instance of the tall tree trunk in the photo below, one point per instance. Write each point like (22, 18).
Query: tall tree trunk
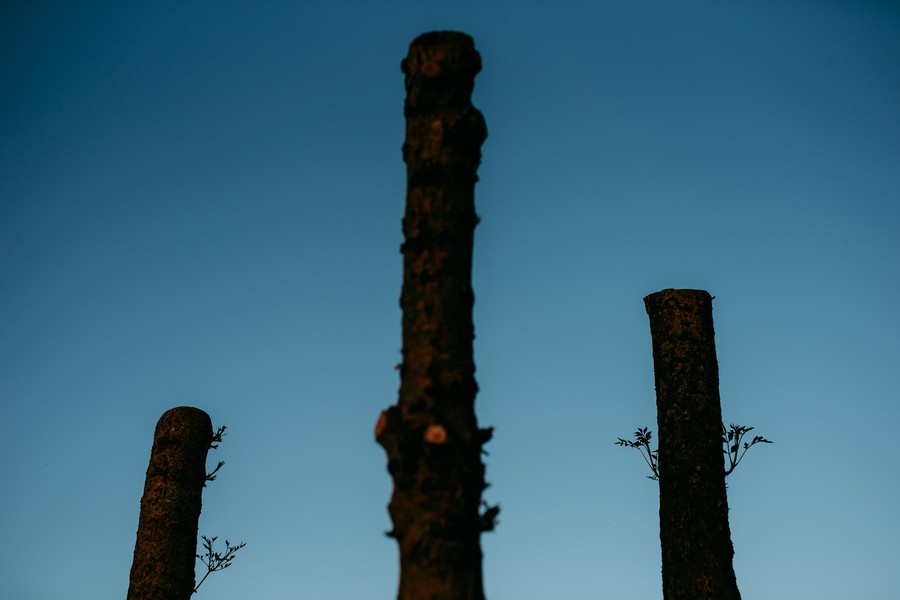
(693, 508)
(166, 547)
(431, 435)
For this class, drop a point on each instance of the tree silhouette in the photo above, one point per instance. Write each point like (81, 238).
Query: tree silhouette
(694, 534)
(431, 436)
(166, 545)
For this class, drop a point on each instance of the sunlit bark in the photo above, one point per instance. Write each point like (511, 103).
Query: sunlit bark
(166, 546)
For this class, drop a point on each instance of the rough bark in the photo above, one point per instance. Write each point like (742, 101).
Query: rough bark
(694, 533)
(431, 436)
(166, 546)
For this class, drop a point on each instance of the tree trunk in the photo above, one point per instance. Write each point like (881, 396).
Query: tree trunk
(166, 547)
(431, 436)
(693, 508)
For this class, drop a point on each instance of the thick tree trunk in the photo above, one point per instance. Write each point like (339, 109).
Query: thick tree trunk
(693, 508)
(431, 436)
(166, 547)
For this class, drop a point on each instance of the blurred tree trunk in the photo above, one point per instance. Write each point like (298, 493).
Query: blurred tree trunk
(695, 537)
(166, 547)
(431, 436)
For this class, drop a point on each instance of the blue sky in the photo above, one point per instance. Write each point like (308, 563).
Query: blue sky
(200, 205)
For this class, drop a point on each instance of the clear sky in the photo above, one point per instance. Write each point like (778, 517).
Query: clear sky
(200, 204)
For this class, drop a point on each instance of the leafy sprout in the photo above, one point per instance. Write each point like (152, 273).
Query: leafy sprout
(731, 442)
(733, 446)
(641, 441)
(213, 560)
(216, 561)
(213, 444)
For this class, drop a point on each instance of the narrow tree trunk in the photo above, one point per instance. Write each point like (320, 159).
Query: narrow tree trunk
(693, 508)
(431, 436)
(166, 547)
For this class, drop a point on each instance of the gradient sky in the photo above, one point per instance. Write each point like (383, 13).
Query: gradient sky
(200, 204)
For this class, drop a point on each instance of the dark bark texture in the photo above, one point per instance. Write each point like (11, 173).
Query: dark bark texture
(693, 508)
(166, 547)
(431, 436)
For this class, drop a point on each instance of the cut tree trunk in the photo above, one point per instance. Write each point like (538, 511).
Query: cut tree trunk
(166, 547)
(431, 436)
(695, 537)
